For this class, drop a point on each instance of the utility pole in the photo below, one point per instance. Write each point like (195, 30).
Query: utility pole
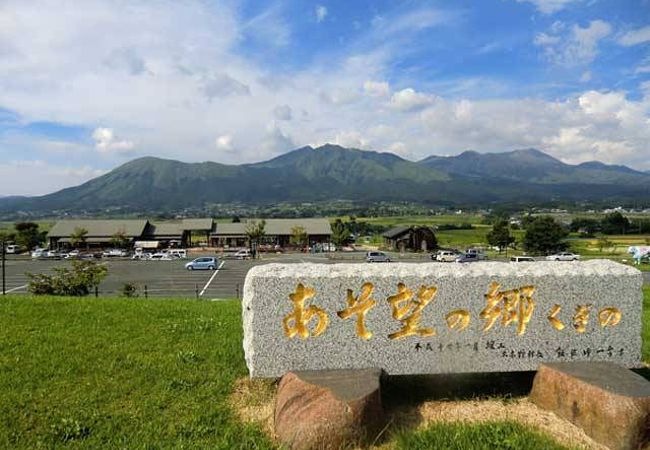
(4, 262)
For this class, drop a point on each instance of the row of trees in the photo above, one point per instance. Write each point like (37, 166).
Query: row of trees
(613, 223)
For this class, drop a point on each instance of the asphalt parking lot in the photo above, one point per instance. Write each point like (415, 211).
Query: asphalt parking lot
(169, 278)
(158, 278)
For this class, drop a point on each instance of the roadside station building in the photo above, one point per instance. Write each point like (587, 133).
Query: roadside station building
(277, 232)
(137, 233)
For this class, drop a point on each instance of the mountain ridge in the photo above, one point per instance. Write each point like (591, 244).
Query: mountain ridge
(330, 172)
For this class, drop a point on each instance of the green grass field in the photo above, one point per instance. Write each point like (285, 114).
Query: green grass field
(121, 373)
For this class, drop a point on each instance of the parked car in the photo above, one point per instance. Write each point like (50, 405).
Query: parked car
(72, 254)
(179, 253)
(377, 257)
(12, 249)
(114, 252)
(478, 253)
(141, 256)
(468, 257)
(204, 263)
(160, 257)
(38, 253)
(445, 256)
(522, 259)
(243, 254)
(563, 256)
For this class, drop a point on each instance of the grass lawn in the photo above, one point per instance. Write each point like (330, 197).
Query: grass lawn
(120, 373)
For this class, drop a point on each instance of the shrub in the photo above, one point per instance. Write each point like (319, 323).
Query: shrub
(129, 290)
(78, 280)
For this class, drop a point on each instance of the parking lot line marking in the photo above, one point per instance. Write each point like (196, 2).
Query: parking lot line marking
(211, 278)
(16, 288)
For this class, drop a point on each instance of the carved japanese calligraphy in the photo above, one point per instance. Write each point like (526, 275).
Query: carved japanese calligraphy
(360, 306)
(409, 311)
(297, 322)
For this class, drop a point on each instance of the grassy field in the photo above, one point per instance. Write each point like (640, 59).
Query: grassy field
(446, 219)
(120, 373)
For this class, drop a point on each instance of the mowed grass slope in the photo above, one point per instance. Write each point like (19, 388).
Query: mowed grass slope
(119, 373)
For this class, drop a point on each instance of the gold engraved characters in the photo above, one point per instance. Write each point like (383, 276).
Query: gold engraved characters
(555, 322)
(514, 305)
(504, 307)
(409, 311)
(297, 322)
(609, 317)
(458, 319)
(360, 306)
(581, 318)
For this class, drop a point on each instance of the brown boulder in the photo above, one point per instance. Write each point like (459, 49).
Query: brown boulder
(328, 409)
(610, 403)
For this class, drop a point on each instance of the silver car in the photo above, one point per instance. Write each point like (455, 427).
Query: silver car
(377, 257)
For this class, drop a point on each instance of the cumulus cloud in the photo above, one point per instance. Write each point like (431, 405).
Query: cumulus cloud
(282, 112)
(549, 6)
(410, 100)
(321, 13)
(376, 88)
(189, 95)
(635, 37)
(573, 46)
(107, 142)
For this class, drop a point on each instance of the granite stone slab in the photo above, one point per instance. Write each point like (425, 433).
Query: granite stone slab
(433, 318)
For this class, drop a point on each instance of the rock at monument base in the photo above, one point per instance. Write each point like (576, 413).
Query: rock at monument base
(328, 409)
(610, 403)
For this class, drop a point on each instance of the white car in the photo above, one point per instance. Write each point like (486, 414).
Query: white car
(12, 249)
(115, 252)
(445, 256)
(160, 257)
(243, 254)
(563, 256)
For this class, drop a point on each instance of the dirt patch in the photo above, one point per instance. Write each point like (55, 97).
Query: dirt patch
(254, 400)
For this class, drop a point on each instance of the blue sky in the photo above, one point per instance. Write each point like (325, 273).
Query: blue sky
(86, 86)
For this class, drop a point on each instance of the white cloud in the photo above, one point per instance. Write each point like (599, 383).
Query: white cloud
(189, 95)
(635, 37)
(224, 142)
(410, 100)
(282, 112)
(321, 13)
(107, 142)
(549, 6)
(352, 139)
(50, 177)
(575, 46)
(376, 88)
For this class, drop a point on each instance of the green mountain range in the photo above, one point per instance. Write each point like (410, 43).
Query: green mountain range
(332, 172)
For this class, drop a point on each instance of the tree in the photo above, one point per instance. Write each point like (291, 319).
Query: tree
(78, 237)
(236, 219)
(603, 243)
(615, 223)
(28, 235)
(298, 236)
(500, 235)
(340, 233)
(255, 231)
(120, 239)
(544, 235)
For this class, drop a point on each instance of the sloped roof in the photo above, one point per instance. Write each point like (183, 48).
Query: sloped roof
(99, 228)
(277, 227)
(395, 232)
(165, 229)
(197, 224)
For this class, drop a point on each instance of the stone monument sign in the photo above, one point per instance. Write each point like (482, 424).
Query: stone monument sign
(433, 318)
